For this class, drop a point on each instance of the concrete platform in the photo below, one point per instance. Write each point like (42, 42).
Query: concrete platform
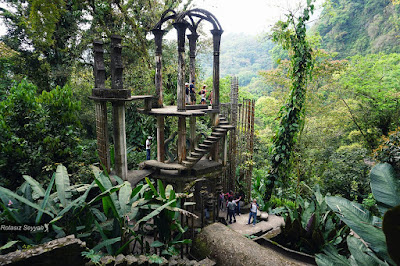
(173, 111)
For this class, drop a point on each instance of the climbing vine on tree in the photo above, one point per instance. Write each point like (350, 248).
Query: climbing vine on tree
(291, 34)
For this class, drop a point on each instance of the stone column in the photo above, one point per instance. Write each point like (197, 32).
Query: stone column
(192, 55)
(118, 109)
(181, 139)
(216, 44)
(181, 92)
(101, 106)
(192, 122)
(158, 34)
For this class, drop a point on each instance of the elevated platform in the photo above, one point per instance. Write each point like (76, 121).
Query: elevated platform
(175, 170)
(192, 110)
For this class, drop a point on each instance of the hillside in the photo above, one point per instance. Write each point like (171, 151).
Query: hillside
(352, 27)
(241, 55)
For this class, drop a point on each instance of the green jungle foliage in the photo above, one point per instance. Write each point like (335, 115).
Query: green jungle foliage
(360, 27)
(36, 131)
(107, 217)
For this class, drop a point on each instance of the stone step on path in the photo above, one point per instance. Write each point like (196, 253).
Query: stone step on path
(272, 223)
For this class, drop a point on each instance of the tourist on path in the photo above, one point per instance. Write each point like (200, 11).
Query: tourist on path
(221, 200)
(253, 211)
(231, 210)
(237, 201)
(148, 146)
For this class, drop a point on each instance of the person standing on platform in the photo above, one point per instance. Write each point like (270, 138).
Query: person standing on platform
(253, 212)
(203, 95)
(187, 98)
(192, 93)
(148, 147)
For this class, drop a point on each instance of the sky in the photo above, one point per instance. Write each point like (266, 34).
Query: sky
(250, 16)
(243, 16)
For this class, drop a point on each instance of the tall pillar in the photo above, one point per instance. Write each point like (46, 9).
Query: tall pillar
(101, 106)
(216, 44)
(181, 139)
(158, 34)
(192, 122)
(192, 55)
(118, 109)
(181, 92)
(160, 139)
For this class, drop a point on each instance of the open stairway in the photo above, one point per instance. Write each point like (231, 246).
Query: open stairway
(204, 148)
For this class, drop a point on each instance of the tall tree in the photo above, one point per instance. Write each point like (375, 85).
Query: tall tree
(292, 35)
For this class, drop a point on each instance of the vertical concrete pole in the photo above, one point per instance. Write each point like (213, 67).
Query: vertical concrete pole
(160, 138)
(181, 92)
(158, 34)
(118, 109)
(233, 134)
(192, 55)
(192, 70)
(181, 139)
(101, 106)
(216, 44)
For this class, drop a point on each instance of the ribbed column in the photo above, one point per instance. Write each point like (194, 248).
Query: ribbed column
(118, 109)
(181, 92)
(101, 106)
(158, 35)
(216, 44)
(192, 55)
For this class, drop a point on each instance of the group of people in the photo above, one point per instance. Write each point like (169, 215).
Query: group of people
(191, 94)
(232, 203)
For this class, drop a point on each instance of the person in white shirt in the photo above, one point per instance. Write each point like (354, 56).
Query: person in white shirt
(148, 146)
(253, 212)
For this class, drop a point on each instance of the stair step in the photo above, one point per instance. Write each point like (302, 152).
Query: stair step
(187, 164)
(196, 154)
(213, 138)
(192, 159)
(204, 146)
(217, 134)
(198, 150)
(222, 130)
(227, 127)
(206, 141)
(223, 123)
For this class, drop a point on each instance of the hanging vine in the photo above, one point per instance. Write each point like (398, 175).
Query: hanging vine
(291, 34)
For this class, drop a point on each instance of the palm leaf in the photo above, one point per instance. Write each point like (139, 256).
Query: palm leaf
(384, 186)
(62, 185)
(25, 201)
(154, 213)
(361, 222)
(45, 199)
(36, 187)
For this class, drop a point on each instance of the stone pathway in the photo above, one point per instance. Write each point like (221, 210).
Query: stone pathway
(273, 223)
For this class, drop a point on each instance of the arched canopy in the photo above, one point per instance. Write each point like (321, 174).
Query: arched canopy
(189, 18)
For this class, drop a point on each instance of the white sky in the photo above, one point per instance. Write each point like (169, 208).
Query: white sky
(250, 16)
(242, 16)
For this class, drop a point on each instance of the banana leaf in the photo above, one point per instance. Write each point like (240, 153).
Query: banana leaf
(45, 199)
(62, 185)
(124, 197)
(36, 187)
(360, 221)
(385, 186)
(361, 255)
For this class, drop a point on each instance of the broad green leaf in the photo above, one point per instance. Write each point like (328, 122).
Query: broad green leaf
(361, 222)
(152, 187)
(156, 244)
(25, 201)
(360, 252)
(36, 187)
(125, 196)
(9, 244)
(107, 243)
(385, 186)
(154, 213)
(107, 198)
(331, 258)
(45, 199)
(77, 202)
(62, 185)
(161, 188)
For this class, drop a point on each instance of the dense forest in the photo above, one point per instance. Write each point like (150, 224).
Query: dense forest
(327, 154)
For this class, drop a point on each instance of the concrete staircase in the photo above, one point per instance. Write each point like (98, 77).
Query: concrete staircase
(204, 148)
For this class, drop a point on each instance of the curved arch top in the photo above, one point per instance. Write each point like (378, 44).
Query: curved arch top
(187, 17)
